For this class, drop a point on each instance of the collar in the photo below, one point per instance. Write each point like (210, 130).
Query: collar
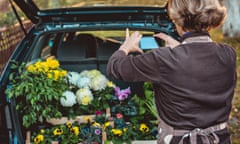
(195, 36)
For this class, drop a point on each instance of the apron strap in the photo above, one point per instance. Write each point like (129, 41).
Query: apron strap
(207, 135)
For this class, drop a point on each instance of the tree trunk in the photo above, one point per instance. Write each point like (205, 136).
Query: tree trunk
(231, 27)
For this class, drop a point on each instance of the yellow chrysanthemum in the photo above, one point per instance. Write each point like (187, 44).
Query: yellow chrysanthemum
(58, 131)
(117, 132)
(31, 68)
(52, 63)
(63, 73)
(39, 138)
(144, 128)
(75, 130)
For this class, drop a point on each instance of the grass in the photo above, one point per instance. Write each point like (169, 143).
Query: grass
(234, 122)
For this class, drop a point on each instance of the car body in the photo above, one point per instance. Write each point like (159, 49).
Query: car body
(80, 38)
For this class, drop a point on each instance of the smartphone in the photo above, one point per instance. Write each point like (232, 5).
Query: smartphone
(149, 42)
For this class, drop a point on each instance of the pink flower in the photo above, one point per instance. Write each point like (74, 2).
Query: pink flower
(118, 115)
(122, 94)
(98, 112)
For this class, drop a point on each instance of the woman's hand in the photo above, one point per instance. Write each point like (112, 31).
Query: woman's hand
(169, 41)
(131, 43)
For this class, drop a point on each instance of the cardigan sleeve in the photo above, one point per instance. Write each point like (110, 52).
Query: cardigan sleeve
(144, 67)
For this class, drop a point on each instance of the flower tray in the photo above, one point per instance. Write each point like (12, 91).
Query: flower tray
(137, 142)
(63, 120)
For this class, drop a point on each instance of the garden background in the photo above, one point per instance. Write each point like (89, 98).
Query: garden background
(11, 33)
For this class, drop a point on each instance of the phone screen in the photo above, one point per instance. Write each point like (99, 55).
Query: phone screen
(148, 42)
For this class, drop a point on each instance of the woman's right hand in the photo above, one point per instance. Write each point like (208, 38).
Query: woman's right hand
(169, 41)
(131, 43)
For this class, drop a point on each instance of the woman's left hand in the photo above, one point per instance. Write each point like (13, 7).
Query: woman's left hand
(131, 43)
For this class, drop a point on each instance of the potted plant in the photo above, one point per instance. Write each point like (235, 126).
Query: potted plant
(37, 88)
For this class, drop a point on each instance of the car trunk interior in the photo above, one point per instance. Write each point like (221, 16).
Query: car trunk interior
(79, 51)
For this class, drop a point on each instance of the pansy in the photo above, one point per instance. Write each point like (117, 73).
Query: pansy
(117, 132)
(58, 131)
(87, 119)
(69, 124)
(38, 139)
(97, 131)
(144, 128)
(75, 130)
(106, 124)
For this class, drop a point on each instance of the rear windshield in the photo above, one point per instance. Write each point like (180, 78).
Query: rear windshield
(52, 4)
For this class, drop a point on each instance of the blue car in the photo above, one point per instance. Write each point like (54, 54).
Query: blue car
(81, 35)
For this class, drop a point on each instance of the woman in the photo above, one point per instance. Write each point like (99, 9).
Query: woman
(193, 79)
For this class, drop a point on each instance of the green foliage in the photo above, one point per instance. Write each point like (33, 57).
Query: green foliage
(7, 19)
(37, 96)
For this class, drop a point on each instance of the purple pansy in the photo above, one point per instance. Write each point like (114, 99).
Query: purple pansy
(97, 131)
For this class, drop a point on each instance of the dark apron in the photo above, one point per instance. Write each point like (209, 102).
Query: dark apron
(207, 135)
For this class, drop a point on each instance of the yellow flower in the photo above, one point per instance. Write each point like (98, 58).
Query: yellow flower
(52, 63)
(39, 138)
(144, 128)
(84, 96)
(95, 124)
(86, 100)
(111, 84)
(106, 124)
(75, 130)
(58, 131)
(63, 73)
(125, 129)
(42, 131)
(117, 132)
(87, 119)
(69, 124)
(31, 68)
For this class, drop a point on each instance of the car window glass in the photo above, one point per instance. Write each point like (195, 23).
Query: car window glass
(51, 4)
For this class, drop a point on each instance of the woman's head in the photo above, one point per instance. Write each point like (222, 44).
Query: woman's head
(196, 15)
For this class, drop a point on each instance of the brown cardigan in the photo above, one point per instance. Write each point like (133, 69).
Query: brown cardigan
(193, 83)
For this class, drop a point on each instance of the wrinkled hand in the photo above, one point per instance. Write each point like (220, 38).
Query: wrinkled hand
(131, 43)
(169, 41)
